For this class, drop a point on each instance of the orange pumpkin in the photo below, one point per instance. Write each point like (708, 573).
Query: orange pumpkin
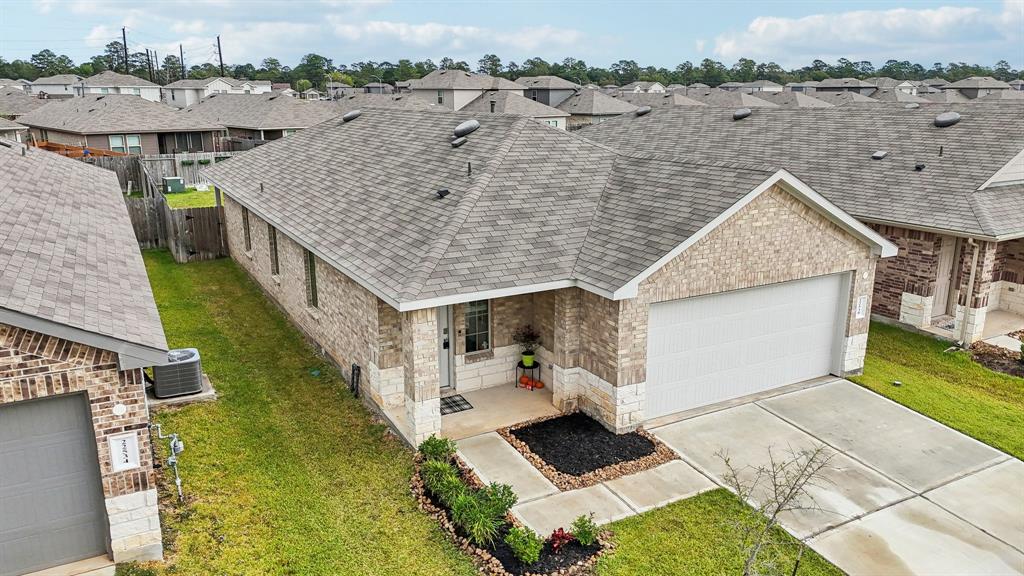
(524, 380)
(537, 384)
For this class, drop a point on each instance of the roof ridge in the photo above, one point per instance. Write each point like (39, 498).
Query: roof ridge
(428, 263)
(593, 217)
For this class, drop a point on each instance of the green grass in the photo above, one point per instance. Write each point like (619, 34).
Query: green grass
(696, 536)
(285, 473)
(946, 386)
(191, 198)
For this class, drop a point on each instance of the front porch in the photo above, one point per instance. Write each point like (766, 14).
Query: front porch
(497, 407)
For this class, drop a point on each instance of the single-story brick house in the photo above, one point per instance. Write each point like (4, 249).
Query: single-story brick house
(950, 196)
(121, 123)
(77, 325)
(657, 285)
(267, 116)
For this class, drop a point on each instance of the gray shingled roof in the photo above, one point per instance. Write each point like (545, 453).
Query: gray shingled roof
(719, 97)
(844, 83)
(945, 97)
(594, 103)
(674, 98)
(112, 114)
(8, 126)
(547, 82)
(843, 98)
(268, 111)
(830, 149)
(1000, 96)
(540, 205)
(508, 102)
(398, 101)
(58, 79)
(110, 78)
(460, 80)
(15, 102)
(195, 82)
(894, 95)
(793, 99)
(67, 249)
(977, 82)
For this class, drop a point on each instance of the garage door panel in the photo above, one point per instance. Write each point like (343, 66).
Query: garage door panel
(712, 348)
(50, 491)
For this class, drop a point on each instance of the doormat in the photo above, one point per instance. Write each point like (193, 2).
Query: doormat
(454, 403)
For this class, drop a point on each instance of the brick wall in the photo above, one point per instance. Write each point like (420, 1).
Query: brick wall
(913, 270)
(1007, 291)
(33, 365)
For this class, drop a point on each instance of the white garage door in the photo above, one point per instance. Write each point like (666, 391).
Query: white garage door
(711, 348)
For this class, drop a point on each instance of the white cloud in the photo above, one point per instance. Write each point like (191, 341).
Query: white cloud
(926, 35)
(699, 45)
(452, 37)
(188, 26)
(99, 36)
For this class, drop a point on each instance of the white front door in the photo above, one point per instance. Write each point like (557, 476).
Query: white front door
(940, 304)
(707, 349)
(446, 346)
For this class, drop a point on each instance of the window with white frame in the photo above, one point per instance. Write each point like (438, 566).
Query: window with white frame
(440, 96)
(275, 265)
(246, 231)
(312, 298)
(128, 143)
(478, 326)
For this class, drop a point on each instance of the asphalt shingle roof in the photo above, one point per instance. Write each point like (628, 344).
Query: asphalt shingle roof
(830, 149)
(793, 99)
(460, 80)
(587, 102)
(15, 102)
(6, 125)
(67, 249)
(113, 114)
(527, 204)
(977, 82)
(268, 111)
(508, 102)
(547, 82)
(673, 98)
(58, 79)
(109, 78)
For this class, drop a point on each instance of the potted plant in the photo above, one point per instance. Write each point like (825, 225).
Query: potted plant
(528, 339)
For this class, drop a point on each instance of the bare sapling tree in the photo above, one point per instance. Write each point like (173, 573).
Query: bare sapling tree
(781, 486)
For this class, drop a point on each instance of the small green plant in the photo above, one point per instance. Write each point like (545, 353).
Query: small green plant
(584, 529)
(1022, 352)
(443, 480)
(526, 545)
(434, 471)
(204, 161)
(499, 498)
(435, 448)
(449, 489)
(187, 162)
(133, 569)
(476, 518)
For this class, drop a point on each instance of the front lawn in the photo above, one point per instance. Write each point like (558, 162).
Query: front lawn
(285, 473)
(696, 536)
(191, 198)
(949, 387)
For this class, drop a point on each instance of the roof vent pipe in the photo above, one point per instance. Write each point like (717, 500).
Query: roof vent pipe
(879, 155)
(946, 119)
(459, 142)
(350, 116)
(442, 193)
(912, 105)
(643, 110)
(466, 128)
(741, 113)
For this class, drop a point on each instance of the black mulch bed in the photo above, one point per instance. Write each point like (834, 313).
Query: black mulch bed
(576, 444)
(998, 359)
(549, 562)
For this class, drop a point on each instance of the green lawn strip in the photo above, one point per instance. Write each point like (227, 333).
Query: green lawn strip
(697, 536)
(286, 473)
(946, 386)
(191, 198)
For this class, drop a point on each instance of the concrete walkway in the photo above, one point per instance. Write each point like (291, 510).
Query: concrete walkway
(904, 495)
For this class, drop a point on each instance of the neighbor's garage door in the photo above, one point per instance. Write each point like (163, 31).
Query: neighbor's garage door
(711, 348)
(51, 501)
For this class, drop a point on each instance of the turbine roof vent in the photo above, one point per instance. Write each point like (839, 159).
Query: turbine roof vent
(643, 110)
(946, 119)
(741, 113)
(350, 116)
(466, 128)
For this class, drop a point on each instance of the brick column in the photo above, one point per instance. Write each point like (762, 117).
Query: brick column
(973, 311)
(422, 373)
(565, 348)
(855, 337)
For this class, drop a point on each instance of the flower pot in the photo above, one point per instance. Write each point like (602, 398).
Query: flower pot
(528, 359)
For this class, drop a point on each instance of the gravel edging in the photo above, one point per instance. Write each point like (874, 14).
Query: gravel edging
(484, 560)
(997, 359)
(566, 482)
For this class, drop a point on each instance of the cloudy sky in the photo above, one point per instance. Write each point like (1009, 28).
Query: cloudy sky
(657, 33)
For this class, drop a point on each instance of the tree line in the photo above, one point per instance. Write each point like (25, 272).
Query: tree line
(316, 70)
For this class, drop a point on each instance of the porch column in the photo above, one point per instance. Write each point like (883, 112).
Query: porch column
(972, 300)
(422, 373)
(565, 348)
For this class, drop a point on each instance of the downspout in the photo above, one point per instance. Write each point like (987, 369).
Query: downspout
(970, 290)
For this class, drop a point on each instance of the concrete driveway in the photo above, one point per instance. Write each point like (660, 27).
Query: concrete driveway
(904, 495)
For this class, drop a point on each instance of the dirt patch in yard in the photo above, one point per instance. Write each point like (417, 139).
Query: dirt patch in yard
(575, 451)
(998, 359)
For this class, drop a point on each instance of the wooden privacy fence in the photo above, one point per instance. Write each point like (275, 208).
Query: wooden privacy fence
(191, 234)
(187, 166)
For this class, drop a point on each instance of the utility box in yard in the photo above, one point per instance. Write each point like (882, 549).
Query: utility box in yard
(173, 184)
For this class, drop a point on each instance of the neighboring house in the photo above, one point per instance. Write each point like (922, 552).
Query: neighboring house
(844, 98)
(945, 97)
(77, 325)
(1016, 84)
(15, 103)
(892, 84)
(549, 90)
(506, 102)
(310, 94)
(977, 86)
(403, 86)
(587, 107)
(337, 90)
(1014, 96)
(279, 86)
(698, 86)
(11, 130)
(730, 86)
(853, 85)
(760, 86)
(719, 97)
(121, 123)
(6, 83)
(792, 99)
(110, 82)
(672, 87)
(934, 82)
(184, 93)
(378, 88)
(951, 197)
(398, 101)
(59, 86)
(260, 116)
(419, 272)
(453, 89)
(897, 95)
(676, 98)
(806, 86)
(644, 87)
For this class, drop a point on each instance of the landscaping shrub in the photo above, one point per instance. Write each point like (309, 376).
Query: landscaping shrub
(525, 544)
(204, 161)
(560, 538)
(435, 448)
(499, 498)
(449, 489)
(443, 480)
(134, 569)
(584, 529)
(476, 517)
